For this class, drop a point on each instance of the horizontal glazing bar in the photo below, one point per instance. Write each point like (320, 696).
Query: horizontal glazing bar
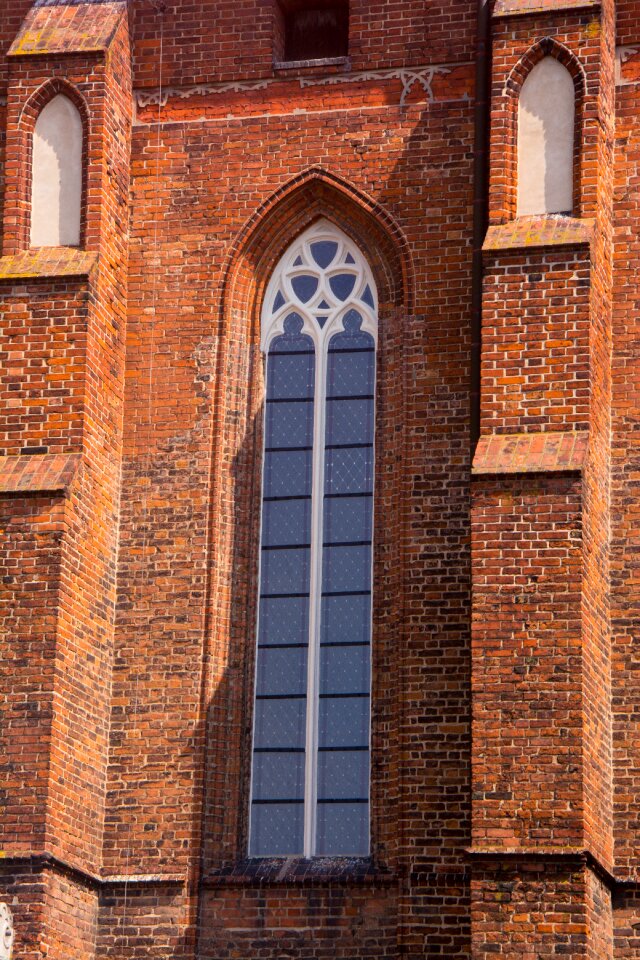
(345, 543)
(347, 643)
(281, 696)
(288, 646)
(295, 546)
(341, 446)
(363, 396)
(346, 593)
(288, 450)
(351, 749)
(283, 596)
(286, 749)
(297, 399)
(333, 696)
(302, 496)
(292, 353)
(267, 802)
(336, 800)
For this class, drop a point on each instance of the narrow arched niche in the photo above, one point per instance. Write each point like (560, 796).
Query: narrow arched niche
(56, 186)
(546, 130)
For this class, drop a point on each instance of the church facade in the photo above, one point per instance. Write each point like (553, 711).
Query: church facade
(319, 479)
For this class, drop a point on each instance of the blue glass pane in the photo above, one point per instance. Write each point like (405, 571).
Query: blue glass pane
(343, 774)
(344, 669)
(324, 252)
(350, 421)
(349, 259)
(289, 424)
(346, 619)
(344, 722)
(343, 830)
(277, 830)
(287, 474)
(297, 262)
(348, 519)
(349, 471)
(350, 374)
(283, 620)
(342, 285)
(346, 569)
(281, 671)
(322, 321)
(280, 723)
(367, 297)
(323, 305)
(278, 776)
(286, 523)
(278, 302)
(284, 571)
(304, 286)
(290, 377)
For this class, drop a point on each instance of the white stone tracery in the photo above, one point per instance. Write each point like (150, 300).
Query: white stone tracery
(299, 262)
(6, 932)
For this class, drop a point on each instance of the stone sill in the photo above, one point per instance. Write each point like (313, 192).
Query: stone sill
(513, 453)
(299, 871)
(47, 262)
(521, 8)
(304, 68)
(531, 232)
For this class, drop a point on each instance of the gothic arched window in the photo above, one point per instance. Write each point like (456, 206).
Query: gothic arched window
(310, 779)
(56, 178)
(546, 120)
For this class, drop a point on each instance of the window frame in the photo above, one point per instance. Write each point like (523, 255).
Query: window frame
(272, 326)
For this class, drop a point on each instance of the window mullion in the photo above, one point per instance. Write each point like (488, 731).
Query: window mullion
(315, 601)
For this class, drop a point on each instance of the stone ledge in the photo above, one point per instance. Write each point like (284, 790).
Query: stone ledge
(298, 870)
(38, 473)
(531, 232)
(47, 262)
(68, 28)
(530, 453)
(518, 8)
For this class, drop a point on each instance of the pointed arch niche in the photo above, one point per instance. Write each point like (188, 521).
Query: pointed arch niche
(539, 143)
(546, 133)
(57, 161)
(317, 262)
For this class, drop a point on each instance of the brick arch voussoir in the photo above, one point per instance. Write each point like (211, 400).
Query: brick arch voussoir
(293, 208)
(546, 47)
(45, 94)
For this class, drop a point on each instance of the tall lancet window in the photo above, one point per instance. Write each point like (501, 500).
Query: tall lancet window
(546, 121)
(310, 783)
(56, 185)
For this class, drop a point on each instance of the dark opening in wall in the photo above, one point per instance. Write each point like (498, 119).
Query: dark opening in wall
(314, 30)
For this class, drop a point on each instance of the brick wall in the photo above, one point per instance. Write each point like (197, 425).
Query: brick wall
(130, 435)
